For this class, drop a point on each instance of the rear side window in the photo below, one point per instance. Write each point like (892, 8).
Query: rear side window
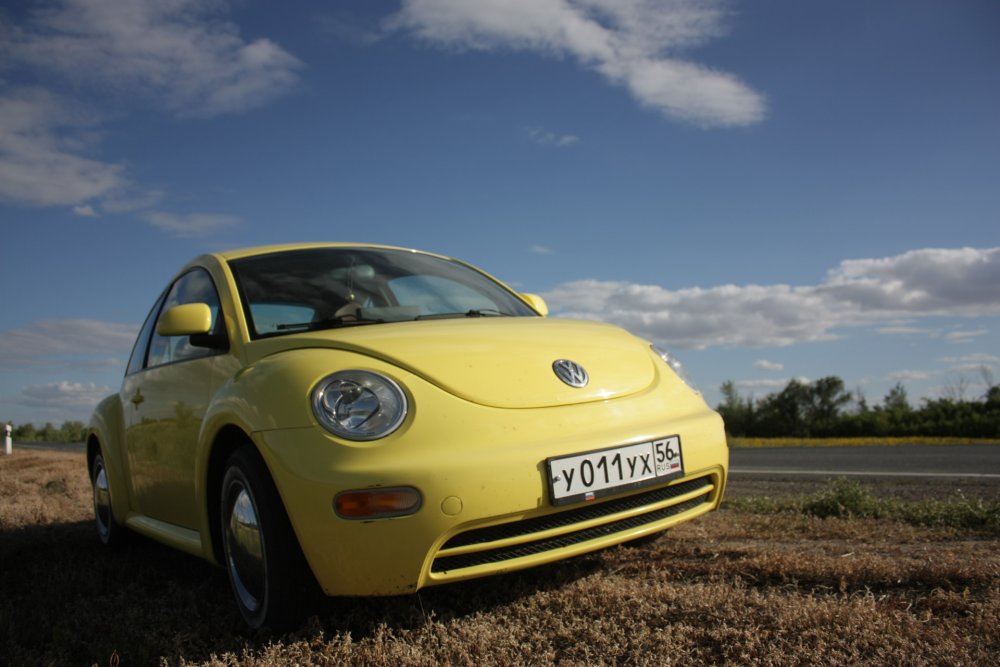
(138, 359)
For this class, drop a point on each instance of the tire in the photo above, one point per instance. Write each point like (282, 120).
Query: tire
(268, 574)
(110, 532)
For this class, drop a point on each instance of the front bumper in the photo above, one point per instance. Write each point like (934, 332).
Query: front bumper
(482, 474)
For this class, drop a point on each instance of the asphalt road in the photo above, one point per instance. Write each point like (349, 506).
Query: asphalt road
(959, 461)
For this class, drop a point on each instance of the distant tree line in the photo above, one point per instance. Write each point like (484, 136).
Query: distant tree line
(825, 409)
(71, 431)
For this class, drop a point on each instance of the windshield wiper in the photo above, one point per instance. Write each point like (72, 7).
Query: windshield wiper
(330, 323)
(474, 312)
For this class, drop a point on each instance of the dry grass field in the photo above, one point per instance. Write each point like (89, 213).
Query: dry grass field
(758, 583)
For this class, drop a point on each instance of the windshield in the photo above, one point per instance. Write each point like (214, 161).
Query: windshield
(323, 288)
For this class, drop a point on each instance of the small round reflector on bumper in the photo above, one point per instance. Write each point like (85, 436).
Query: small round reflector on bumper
(377, 503)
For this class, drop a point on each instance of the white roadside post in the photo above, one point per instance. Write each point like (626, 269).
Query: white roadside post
(6, 439)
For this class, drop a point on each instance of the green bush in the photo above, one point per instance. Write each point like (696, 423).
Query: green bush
(843, 499)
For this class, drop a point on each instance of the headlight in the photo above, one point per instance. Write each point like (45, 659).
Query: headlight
(675, 366)
(358, 405)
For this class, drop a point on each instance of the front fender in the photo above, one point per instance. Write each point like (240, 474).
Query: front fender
(270, 394)
(105, 433)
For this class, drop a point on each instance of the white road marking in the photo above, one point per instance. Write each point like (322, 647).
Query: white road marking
(866, 473)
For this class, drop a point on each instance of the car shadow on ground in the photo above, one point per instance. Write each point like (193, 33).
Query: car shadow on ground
(67, 599)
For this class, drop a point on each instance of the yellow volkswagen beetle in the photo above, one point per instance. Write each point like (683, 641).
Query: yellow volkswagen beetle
(375, 420)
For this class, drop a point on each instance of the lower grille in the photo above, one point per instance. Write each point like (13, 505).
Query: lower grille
(521, 531)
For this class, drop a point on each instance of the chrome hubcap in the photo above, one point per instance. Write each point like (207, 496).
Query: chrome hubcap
(246, 549)
(102, 502)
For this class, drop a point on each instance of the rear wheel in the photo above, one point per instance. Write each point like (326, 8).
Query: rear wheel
(268, 574)
(110, 532)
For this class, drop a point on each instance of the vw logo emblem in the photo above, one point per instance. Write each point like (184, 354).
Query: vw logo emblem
(570, 372)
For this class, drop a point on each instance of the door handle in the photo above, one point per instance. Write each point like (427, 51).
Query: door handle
(137, 399)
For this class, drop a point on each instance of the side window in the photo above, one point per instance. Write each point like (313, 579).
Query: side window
(193, 287)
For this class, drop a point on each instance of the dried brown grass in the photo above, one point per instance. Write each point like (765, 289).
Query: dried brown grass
(732, 588)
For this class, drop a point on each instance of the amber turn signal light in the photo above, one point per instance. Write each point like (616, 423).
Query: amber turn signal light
(377, 503)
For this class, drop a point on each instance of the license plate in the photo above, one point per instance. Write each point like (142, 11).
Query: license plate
(608, 471)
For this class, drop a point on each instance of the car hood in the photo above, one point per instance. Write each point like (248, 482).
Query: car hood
(502, 362)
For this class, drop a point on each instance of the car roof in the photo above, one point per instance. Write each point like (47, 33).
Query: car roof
(240, 253)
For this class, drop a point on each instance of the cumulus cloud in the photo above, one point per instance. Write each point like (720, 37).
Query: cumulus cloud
(176, 56)
(765, 365)
(953, 281)
(86, 342)
(630, 42)
(865, 292)
(174, 52)
(42, 151)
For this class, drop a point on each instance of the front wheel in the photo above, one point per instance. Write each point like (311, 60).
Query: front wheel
(267, 571)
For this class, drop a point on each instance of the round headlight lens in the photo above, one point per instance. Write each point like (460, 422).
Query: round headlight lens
(675, 366)
(359, 405)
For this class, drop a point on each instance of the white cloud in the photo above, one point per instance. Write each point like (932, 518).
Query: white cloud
(131, 199)
(908, 376)
(978, 358)
(546, 138)
(964, 336)
(347, 27)
(62, 342)
(765, 365)
(540, 250)
(192, 224)
(63, 396)
(767, 385)
(906, 330)
(752, 315)
(948, 281)
(41, 157)
(626, 41)
(171, 55)
(975, 364)
(867, 292)
(85, 211)
(176, 53)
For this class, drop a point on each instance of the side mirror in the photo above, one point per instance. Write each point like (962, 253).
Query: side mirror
(536, 302)
(189, 319)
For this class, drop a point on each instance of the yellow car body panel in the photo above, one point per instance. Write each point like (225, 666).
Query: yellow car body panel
(486, 413)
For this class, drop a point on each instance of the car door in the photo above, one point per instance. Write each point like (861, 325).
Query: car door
(164, 399)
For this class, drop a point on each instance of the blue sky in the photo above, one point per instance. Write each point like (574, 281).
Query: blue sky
(771, 190)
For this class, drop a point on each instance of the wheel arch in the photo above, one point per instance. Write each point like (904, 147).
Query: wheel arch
(228, 439)
(104, 437)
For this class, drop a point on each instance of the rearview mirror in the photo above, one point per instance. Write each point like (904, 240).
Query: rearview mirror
(536, 302)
